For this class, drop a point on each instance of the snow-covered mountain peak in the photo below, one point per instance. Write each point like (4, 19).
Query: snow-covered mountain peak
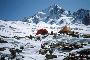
(54, 7)
(51, 15)
(54, 11)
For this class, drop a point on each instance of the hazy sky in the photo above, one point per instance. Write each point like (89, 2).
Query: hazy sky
(17, 9)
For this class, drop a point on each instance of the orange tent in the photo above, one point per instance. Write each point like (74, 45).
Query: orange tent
(65, 30)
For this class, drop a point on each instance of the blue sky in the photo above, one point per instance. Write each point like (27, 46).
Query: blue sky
(17, 9)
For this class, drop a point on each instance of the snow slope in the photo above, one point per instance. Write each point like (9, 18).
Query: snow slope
(16, 28)
(19, 28)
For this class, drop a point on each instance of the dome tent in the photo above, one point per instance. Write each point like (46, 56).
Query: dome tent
(65, 30)
(42, 32)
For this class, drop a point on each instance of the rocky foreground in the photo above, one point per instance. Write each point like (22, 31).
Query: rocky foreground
(60, 47)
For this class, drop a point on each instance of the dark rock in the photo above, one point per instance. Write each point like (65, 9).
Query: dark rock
(2, 49)
(13, 52)
(18, 50)
(42, 51)
(50, 56)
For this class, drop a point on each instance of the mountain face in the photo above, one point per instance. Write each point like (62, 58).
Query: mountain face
(82, 16)
(52, 15)
(57, 15)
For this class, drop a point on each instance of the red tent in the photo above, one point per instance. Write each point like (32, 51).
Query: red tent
(42, 32)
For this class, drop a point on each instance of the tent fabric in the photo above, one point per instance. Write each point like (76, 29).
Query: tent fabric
(42, 32)
(65, 30)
